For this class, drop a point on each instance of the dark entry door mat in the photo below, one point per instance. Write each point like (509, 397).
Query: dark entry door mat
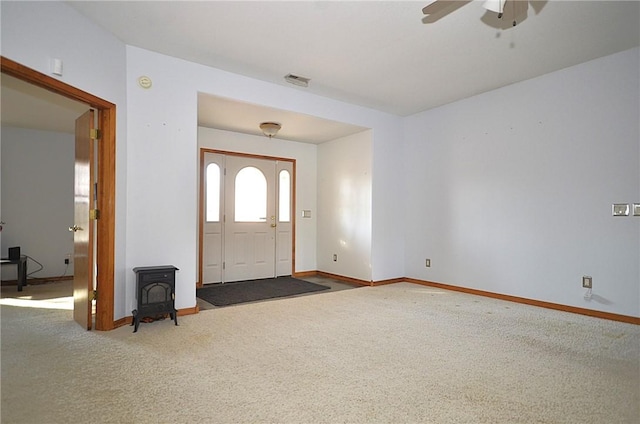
(253, 290)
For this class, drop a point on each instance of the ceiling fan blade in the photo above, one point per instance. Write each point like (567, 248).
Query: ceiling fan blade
(436, 6)
(516, 10)
(438, 9)
(519, 7)
(537, 5)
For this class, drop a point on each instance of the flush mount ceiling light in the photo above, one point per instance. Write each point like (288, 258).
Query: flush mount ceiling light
(270, 129)
(297, 80)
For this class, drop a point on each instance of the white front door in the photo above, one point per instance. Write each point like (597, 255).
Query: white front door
(247, 222)
(250, 219)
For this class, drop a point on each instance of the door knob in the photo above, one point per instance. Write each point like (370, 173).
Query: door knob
(75, 228)
(273, 225)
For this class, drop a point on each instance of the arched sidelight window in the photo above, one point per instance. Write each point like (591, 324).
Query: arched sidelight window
(212, 193)
(284, 198)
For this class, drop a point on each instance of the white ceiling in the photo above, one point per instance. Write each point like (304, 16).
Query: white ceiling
(386, 55)
(27, 106)
(231, 115)
(378, 54)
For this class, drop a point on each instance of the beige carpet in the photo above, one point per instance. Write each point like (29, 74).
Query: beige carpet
(400, 353)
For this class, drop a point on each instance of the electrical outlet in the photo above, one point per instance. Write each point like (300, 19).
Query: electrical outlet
(587, 282)
(66, 261)
(427, 263)
(335, 257)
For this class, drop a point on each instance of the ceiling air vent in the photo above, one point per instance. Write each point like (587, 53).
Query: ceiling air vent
(297, 80)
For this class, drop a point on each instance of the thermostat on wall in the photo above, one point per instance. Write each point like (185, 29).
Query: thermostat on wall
(144, 81)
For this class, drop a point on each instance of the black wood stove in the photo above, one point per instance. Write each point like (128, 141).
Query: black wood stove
(155, 291)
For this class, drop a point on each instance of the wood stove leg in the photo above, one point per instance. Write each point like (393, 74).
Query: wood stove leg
(175, 316)
(136, 320)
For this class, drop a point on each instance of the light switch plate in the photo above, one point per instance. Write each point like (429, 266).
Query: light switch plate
(636, 209)
(620, 209)
(306, 213)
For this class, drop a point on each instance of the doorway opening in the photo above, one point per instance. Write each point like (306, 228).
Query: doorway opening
(104, 236)
(246, 224)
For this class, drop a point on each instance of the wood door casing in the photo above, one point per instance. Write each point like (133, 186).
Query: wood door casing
(105, 255)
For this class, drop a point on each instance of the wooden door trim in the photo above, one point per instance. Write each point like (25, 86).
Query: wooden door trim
(105, 256)
(203, 151)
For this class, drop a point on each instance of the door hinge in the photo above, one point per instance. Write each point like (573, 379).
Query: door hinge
(94, 214)
(94, 295)
(95, 134)
(224, 264)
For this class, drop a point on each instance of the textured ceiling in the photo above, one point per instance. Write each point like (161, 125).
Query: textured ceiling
(384, 55)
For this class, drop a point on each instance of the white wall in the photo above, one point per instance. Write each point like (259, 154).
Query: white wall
(511, 191)
(305, 155)
(156, 161)
(93, 61)
(344, 206)
(163, 158)
(387, 200)
(37, 199)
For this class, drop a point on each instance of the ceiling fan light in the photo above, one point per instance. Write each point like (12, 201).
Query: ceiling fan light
(270, 129)
(495, 6)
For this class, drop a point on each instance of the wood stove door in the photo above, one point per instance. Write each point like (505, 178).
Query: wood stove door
(84, 201)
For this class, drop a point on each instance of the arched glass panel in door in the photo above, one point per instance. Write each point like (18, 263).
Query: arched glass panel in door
(250, 195)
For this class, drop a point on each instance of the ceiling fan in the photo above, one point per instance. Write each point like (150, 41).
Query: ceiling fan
(512, 10)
